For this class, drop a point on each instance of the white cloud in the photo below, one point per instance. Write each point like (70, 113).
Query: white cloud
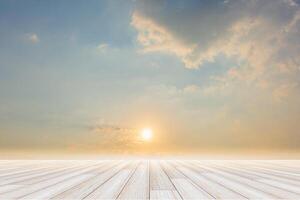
(32, 38)
(156, 38)
(232, 32)
(110, 136)
(283, 91)
(102, 47)
(291, 2)
(262, 37)
(191, 88)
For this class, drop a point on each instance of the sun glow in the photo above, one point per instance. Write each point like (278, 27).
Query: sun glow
(146, 134)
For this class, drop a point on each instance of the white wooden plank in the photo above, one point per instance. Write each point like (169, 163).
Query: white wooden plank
(6, 188)
(158, 178)
(251, 183)
(24, 172)
(26, 190)
(275, 189)
(112, 188)
(50, 174)
(271, 170)
(159, 181)
(217, 190)
(171, 170)
(82, 190)
(185, 186)
(188, 190)
(245, 190)
(281, 174)
(284, 186)
(32, 176)
(278, 166)
(30, 169)
(163, 179)
(138, 185)
(164, 194)
(57, 188)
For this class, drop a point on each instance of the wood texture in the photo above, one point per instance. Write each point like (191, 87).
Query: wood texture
(149, 179)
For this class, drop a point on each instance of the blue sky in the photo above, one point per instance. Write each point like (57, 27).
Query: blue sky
(87, 76)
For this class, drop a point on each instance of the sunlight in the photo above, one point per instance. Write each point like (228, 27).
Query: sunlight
(146, 134)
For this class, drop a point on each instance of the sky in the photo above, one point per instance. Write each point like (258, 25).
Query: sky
(204, 75)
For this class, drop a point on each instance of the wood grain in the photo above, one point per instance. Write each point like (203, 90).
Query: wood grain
(149, 179)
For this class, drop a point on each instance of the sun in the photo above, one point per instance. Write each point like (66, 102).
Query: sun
(146, 134)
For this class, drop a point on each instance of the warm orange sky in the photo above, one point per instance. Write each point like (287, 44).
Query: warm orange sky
(206, 76)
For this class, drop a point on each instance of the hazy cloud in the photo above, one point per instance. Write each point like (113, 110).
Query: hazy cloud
(114, 137)
(283, 91)
(32, 38)
(261, 37)
(102, 47)
(156, 38)
(253, 31)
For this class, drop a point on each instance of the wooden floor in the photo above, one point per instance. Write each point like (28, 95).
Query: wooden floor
(154, 179)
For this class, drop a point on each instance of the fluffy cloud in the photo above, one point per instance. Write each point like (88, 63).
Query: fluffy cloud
(235, 28)
(102, 47)
(115, 136)
(32, 38)
(261, 37)
(156, 38)
(284, 91)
